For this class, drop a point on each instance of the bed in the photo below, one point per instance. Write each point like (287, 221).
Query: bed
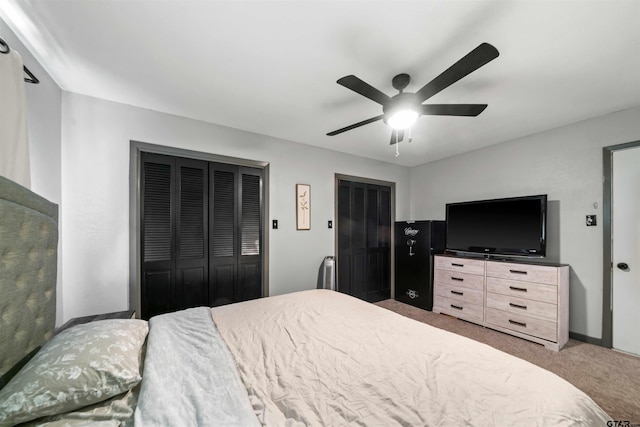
(314, 357)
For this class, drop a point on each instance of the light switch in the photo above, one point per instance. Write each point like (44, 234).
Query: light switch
(330, 224)
(591, 220)
(274, 224)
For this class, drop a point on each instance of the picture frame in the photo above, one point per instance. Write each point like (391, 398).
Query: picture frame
(303, 207)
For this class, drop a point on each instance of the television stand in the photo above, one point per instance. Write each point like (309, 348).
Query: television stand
(527, 300)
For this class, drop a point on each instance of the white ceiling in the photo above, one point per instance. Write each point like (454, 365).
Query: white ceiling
(271, 66)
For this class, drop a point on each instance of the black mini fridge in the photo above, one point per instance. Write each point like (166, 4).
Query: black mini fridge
(416, 244)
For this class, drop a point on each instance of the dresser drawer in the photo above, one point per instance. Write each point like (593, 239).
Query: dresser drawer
(540, 310)
(520, 289)
(462, 265)
(524, 272)
(525, 324)
(460, 309)
(459, 293)
(465, 280)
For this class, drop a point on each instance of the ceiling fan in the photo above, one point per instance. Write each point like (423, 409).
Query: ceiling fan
(402, 110)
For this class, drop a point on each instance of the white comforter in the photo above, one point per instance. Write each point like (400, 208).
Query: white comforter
(323, 358)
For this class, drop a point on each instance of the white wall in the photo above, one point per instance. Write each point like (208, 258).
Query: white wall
(43, 129)
(96, 137)
(564, 163)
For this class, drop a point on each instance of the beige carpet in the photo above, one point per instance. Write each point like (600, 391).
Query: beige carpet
(612, 379)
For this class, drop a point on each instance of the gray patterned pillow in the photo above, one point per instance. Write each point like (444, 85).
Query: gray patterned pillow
(114, 412)
(81, 366)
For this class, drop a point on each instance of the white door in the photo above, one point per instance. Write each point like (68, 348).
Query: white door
(626, 249)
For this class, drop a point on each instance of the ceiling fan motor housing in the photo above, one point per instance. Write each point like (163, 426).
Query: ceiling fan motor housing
(399, 102)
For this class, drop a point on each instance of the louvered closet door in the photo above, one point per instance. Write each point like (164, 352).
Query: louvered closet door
(223, 223)
(174, 234)
(201, 232)
(192, 263)
(157, 235)
(250, 244)
(235, 221)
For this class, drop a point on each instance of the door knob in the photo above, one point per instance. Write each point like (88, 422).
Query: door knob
(623, 266)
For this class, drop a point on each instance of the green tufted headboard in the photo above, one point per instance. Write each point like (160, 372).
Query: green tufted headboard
(28, 272)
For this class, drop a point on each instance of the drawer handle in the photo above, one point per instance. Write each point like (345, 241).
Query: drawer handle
(457, 307)
(524, 325)
(459, 279)
(523, 307)
(457, 293)
(457, 265)
(514, 288)
(517, 271)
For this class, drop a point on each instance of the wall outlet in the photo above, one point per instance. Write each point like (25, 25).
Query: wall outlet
(591, 220)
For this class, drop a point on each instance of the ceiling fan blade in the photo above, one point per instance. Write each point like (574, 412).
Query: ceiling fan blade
(364, 89)
(475, 59)
(470, 110)
(400, 133)
(356, 125)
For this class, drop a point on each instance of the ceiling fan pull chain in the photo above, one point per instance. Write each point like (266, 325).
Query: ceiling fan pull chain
(410, 137)
(397, 145)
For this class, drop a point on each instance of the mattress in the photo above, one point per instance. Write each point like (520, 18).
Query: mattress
(324, 358)
(311, 358)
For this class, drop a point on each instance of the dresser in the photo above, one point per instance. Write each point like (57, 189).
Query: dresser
(530, 301)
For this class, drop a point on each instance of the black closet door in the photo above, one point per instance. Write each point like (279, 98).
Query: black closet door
(364, 246)
(378, 243)
(192, 213)
(174, 234)
(250, 242)
(157, 232)
(235, 221)
(201, 233)
(223, 223)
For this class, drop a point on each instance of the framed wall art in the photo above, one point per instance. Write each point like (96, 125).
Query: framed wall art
(303, 207)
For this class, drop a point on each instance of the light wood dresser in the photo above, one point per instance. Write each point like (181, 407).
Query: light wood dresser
(530, 301)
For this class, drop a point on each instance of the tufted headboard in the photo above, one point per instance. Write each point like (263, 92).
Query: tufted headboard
(28, 272)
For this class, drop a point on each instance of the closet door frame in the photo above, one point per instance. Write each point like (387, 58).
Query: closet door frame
(392, 185)
(135, 150)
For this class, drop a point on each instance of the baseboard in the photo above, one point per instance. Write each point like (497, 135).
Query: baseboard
(585, 338)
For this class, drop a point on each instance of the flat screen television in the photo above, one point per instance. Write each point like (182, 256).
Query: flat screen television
(514, 226)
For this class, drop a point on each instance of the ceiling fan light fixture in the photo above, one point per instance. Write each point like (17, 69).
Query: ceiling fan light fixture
(403, 119)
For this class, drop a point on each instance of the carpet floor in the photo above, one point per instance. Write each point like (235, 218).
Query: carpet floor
(610, 378)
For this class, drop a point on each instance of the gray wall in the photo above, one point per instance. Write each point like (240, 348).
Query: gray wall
(96, 137)
(87, 175)
(43, 127)
(564, 163)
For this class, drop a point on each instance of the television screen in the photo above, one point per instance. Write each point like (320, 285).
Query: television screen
(511, 226)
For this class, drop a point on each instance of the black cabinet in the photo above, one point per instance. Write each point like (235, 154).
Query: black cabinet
(416, 244)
